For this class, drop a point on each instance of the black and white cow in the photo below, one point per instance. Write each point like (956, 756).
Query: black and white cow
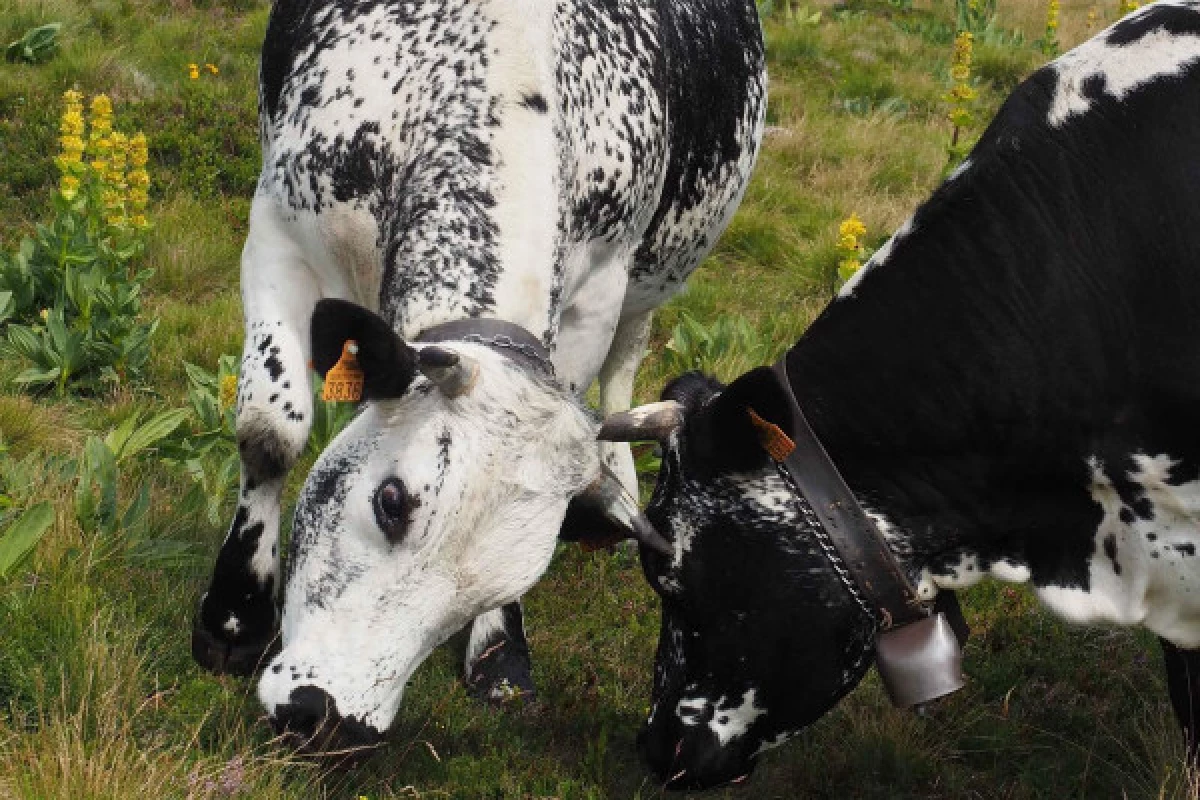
(1011, 388)
(561, 166)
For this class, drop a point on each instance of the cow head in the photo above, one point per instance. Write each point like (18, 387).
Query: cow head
(441, 500)
(759, 637)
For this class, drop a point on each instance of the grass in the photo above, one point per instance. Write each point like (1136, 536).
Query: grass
(98, 694)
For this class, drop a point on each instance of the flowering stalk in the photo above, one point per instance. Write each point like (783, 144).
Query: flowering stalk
(139, 181)
(70, 160)
(961, 94)
(1050, 40)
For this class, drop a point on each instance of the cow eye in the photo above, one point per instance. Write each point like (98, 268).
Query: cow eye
(393, 507)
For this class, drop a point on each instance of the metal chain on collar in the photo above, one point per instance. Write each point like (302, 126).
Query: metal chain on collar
(823, 540)
(507, 342)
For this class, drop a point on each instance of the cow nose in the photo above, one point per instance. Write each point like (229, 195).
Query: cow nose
(311, 722)
(689, 757)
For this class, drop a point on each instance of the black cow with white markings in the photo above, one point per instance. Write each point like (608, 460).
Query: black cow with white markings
(1010, 388)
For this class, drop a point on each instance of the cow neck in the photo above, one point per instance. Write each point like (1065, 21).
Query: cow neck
(918, 650)
(854, 546)
(507, 338)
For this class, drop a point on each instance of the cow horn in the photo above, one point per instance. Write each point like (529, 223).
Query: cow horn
(614, 502)
(451, 372)
(655, 421)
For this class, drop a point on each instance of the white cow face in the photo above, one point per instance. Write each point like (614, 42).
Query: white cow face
(440, 501)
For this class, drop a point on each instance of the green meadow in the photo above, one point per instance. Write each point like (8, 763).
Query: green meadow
(99, 697)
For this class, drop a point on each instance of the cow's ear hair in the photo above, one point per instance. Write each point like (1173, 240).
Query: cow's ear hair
(388, 364)
(724, 436)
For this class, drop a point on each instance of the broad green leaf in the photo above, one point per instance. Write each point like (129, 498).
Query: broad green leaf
(154, 430)
(24, 534)
(119, 436)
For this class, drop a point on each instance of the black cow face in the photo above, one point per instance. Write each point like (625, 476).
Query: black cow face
(759, 638)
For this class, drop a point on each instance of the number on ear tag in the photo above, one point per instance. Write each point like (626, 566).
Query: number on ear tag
(344, 381)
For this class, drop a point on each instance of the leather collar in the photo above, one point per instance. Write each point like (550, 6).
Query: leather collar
(507, 338)
(854, 546)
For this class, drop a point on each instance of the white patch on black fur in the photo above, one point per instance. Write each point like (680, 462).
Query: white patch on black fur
(1101, 68)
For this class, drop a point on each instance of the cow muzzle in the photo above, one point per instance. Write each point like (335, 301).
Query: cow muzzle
(690, 757)
(310, 721)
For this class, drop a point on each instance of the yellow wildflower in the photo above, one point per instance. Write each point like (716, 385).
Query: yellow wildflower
(71, 126)
(961, 93)
(102, 112)
(120, 153)
(849, 232)
(852, 227)
(1091, 17)
(1128, 6)
(139, 221)
(72, 153)
(227, 392)
(193, 71)
(44, 314)
(964, 44)
(68, 187)
(99, 140)
(138, 150)
(138, 198)
(212, 68)
(72, 122)
(960, 117)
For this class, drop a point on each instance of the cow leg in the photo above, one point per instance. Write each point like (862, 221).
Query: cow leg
(1183, 686)
(497, 667)
(616, 388)
(237, 621)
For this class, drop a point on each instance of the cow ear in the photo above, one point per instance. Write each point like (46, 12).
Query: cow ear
(388, 364)
(730, 433)
(605, 513)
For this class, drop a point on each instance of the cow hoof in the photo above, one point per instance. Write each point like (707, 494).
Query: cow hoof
(501, 677)
(223, 657)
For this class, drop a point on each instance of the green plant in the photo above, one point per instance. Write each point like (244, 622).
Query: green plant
(790, 12)
(208, 451)
(96, 505)
(71, 299)
(978, 17)
(37, 46)
(695, 346)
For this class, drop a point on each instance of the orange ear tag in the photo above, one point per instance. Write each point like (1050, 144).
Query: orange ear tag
(771, 437)
(344, 381)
